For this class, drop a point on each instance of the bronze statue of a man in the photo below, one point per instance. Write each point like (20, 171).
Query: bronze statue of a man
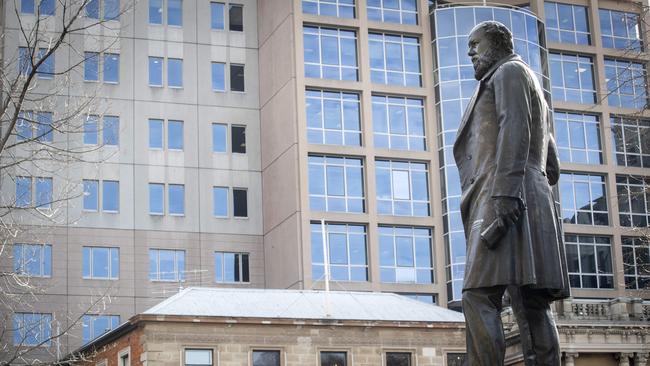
(507, 160)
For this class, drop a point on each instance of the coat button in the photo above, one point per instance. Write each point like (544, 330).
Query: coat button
(469, 157)
(471, 181)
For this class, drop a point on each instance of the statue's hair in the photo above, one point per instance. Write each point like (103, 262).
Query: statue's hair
(499, 35)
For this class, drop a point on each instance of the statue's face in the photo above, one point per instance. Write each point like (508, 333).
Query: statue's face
(482, 52)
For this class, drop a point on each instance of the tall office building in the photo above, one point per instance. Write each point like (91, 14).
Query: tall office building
(243, 142)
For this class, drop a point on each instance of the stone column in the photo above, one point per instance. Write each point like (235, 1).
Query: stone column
(569, 358)
(624, 358)
(641, 359)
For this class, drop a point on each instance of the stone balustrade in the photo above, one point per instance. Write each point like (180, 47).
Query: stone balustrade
(619, 309)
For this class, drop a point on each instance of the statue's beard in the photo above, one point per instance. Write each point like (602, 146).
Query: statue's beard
(485, 62)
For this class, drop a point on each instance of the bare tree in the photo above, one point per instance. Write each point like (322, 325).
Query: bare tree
(46, 109)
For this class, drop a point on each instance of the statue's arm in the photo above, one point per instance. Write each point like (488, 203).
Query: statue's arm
(513, 106)
(552, 162)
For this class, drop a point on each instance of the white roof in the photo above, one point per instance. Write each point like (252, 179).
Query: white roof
(301, 304)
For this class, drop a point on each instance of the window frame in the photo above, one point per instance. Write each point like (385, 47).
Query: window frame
(43, 259)
(392, 166)
(239, 258)
(626, 197)
(410, 354)
(223, 15)
(621, 126)
(558, 28)
(233, 127)
(212, 75)
(169, 72)
(232, 6)
(322, 165)
(162, 71)
(213, 352)
(588, 122)
(407, 104)
(338, 4)
(234, 205)
(344, 101)
(618, 82)
(214, 201)
(370, 9)
(169, 198)
(581, 61)
(385, 39)
(44, 325)
(345, 351)
(163, 200)
(574, 178)
(631, 271)
(92, 318)
(112, 253)
(580, 274)
(319, 32)
(348, 230)
(243, 79)
(397, 232)
(225, 136)
(611, 33)
(179, 274)
(278, 350)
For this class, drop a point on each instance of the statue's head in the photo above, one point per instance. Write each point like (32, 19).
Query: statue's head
(488, 42)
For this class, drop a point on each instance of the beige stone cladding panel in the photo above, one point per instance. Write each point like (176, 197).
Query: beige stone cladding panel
(280, 182)
(279, 124)
(277, 66)
(270, 15)
(79, 238)
(185, 33)
(225, 37)
(282, 254)
(228, 116)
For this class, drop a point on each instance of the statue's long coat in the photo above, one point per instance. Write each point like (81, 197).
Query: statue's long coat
(504, 148)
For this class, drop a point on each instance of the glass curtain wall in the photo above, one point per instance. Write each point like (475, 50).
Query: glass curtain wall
(454, 85)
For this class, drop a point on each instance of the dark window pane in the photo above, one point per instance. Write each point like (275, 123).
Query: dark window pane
(236, 18)
(266, 358)
(237, 78)
(333, 359)
(240, 202)
(398, 359)
(238, 139)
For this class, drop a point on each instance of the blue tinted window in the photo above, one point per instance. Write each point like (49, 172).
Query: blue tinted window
(24, 126)
(393, 11)
(566, 23)
(583, 199)
(32, 329)
(578, 137)
(395, 59)
(156, 133)
(91, 66)
(155, 11)
(330, 53)
(633, 200)
(43, 192)
(620, 30)
(219, 137)
(589, 260)
(632, 141)
(112, 9)
(398, 123)
(101, 263)
(46, 69)
(111, 67)
(91, 195)
(90, 130)
(217, 20)
(176, 199)
(175, 72)
(333, 8)
(336, 184)
(47, 7)
(218, 76)
(220, 201)
(333, 118)
(175, 12)
(155, 71)
(111, 131)
(231, 267)
(27, 6)
(44, 126)
(166, 265)
(626, 84)
(347, 252)
(405, 254)
(92, 9)
(33, 260)
(402, 188)
(96, 325)
(111, 196)
(23, 191)
(24, 61)
(156, 199)
(572, 78)
(175, 135)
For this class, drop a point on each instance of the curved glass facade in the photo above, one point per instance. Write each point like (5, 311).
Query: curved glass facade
(454, 86)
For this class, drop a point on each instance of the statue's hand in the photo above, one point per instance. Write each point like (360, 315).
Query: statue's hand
(508, 210)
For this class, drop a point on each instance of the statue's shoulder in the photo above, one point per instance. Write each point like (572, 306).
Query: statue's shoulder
(513, 69)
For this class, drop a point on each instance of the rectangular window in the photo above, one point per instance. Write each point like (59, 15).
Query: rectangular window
(175, 135)
(336, 184)
(578, 138)
(633, 200)
(402, 188)
(110, 196)
(198, 357)
(219, 139)
(398, 359)
(405, 254)
(572, 78)
(333, 358)
(220, 201)
(240, 202)
(394, 59)
(176, 199)
(632, 141)
(24, 61)
(156, 199)
(96, 325)
(426, 298)
(44, 131)
(43, 192)
(32, 329)
(566, 23)
(626, 84)
(393, 11)
(231, 267)
(91, 66)
(34, 260)
(91, 195)
(346, 244)
(236, 18)
(583, 199)
(266, 358)
(238, 135)
(112, 9)
(27, 6)
(23, 191)
(175, 72)
(166, 265)
(237, 78)
(34, 125)
(333, 8)
(333, 118)
(46, 69)
(156, 133)
(111, 68)
(456, 359)
(218, 76)
(620, 30)
(101, 263)
(92, 9)
(398, 123)
(90, 130)
(217, 19)
(47, 7)
(155, 11)
(111, 130)
(155, 71)
(24, 125)
(175, 12)
(589, 260)
(636, 262)
(330, 53)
